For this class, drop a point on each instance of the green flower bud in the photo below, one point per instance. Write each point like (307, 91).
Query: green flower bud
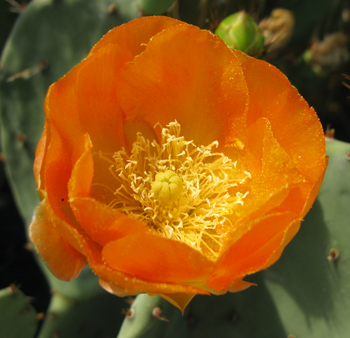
(155, 7)
(240, 31)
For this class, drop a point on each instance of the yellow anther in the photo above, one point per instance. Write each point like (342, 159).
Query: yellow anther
(167, 186)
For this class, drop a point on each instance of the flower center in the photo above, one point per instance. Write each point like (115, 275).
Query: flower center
(181, 191)
(167, 186)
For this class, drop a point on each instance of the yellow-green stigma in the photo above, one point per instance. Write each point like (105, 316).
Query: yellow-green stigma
(167, 186)
(180, 190)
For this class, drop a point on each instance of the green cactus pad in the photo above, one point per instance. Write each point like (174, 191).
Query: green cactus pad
(155, 7)
(140, 318)
(310, 284)
(99, 316)
(18, 318)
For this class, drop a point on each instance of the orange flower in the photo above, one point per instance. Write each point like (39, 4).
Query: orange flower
(172, 165)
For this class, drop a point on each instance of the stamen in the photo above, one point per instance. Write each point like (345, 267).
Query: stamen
(181, 191)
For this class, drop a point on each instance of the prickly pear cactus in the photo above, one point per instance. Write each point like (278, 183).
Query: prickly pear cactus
(306, 294)
(18, 318)
(97, 316)
(143, 314)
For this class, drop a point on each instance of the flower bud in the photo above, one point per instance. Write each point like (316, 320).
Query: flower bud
(240, 31)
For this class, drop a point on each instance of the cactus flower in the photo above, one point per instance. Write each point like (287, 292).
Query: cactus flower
(172, 165)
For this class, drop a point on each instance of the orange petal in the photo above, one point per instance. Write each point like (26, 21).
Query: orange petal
(273, 173)
(136, 33)
(256, 250)
(85, 100)
(295, 125)
(180, 300)
(80, 181)
(39, 157)
(69, 231)
(61, 258)
(131, 128)
(58, 164)
(97, 94)
(115, 281)
(114, 289)
(122, 284)
(192, 76)
(238, 285)
(271, 167)
(61, 108)
(58, 169)
(103, 223)
(234, 286)
(155, 258)
(314, 191)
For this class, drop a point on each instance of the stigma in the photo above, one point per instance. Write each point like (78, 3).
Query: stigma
(167, 186)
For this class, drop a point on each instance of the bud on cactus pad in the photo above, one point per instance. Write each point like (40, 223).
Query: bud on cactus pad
(240, 31)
